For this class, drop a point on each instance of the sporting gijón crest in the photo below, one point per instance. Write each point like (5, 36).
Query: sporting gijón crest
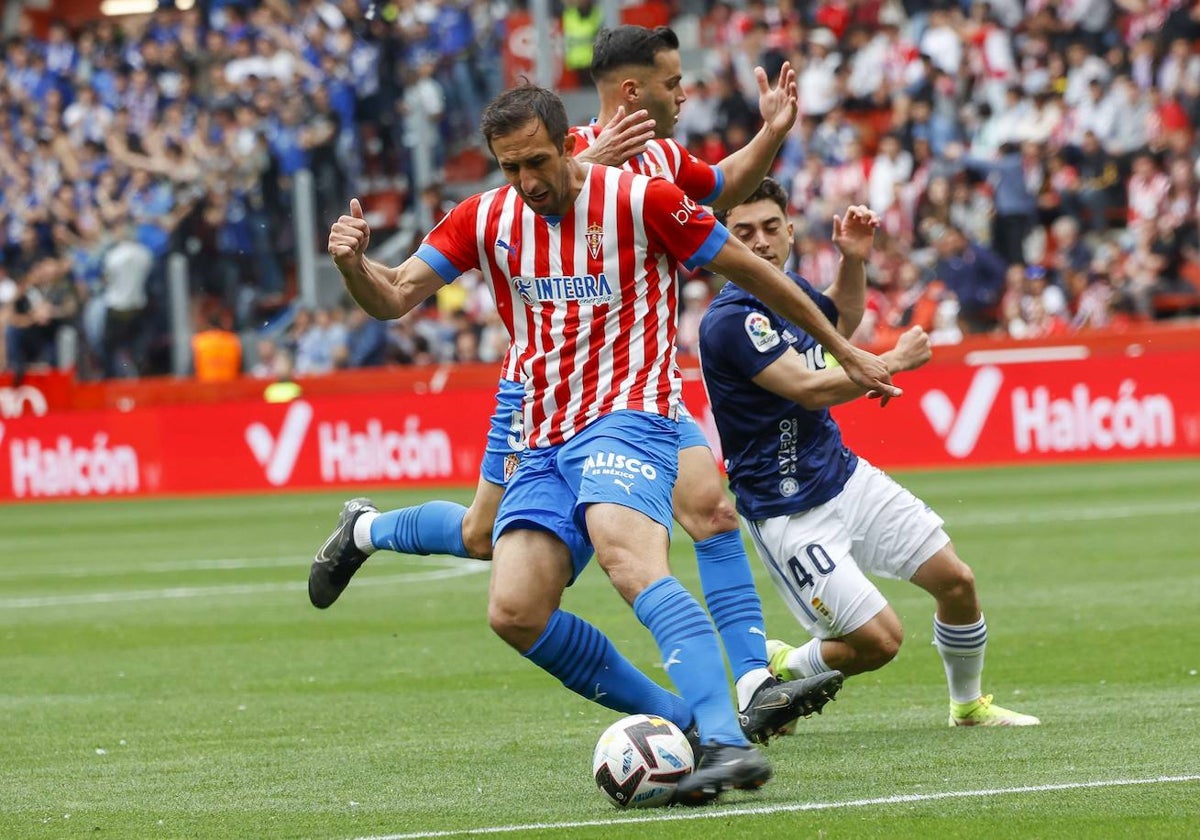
(595, 240)
(638, 734)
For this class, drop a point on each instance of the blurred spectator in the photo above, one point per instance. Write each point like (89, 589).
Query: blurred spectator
(366, 340)
(972, 273)
(127, 266)
(320, 341)
(699, 117)
(695, 300)
(1016, 203)
(43, 307)
(216, 351)
(266, 354)
(817, 79)
(892, 167)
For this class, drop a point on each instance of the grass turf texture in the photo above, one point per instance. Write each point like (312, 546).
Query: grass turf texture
(165, 677)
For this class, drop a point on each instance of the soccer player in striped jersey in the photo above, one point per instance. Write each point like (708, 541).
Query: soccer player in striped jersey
(639, 79)
(636, 70)
(582, 260)
(819, 515)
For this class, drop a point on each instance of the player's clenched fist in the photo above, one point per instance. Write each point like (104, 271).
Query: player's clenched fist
(913, 349)
(348, 239)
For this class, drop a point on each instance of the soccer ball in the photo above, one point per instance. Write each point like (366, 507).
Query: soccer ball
(639, 760)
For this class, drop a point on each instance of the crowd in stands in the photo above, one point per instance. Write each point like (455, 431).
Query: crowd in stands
(1034, 163)
(123, 141)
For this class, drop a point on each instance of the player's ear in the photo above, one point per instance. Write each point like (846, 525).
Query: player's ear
(630, 91)
(569, 145)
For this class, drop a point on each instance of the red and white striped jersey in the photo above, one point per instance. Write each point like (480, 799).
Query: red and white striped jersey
(700, 181)
(590, 300)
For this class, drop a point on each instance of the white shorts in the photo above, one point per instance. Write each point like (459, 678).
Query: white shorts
(818, 559)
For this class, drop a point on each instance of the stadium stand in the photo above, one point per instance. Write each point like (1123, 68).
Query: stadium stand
(1035, 164)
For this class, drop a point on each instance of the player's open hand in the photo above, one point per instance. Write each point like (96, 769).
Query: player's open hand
(349, 238)
(622, 137)
(913, 348)
(854, 233)
(779, 105)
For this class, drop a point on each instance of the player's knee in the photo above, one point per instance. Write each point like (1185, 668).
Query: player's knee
(515, 624)
(628, 572)
(705, 513)
(878, 649)
(882, 652)
(958, 586)
(477, 535)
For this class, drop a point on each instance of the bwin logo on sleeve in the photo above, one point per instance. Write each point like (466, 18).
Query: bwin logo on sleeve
(960, 428)
(762, 334)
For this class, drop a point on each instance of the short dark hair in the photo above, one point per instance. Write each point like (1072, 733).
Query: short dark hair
(768, 190)
(517, 107)
(627, 45)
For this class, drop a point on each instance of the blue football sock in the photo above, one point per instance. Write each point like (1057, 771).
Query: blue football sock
(733, 601)
(586, 662)
(431, 528)
(691, 656)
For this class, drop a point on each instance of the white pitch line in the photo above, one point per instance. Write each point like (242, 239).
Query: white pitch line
(1071, 514)
(164, 567)
(459, 569)
(761, 810)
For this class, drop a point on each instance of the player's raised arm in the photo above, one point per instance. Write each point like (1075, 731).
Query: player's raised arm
(381, 291)
(745, 168)
(854, 236)
(778, 292)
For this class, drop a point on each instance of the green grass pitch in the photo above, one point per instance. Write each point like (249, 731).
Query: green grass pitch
(162, 675)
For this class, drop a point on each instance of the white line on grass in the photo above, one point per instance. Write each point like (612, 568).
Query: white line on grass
(219, 564)
(725, 813)
(1052, 514)
(453, 568)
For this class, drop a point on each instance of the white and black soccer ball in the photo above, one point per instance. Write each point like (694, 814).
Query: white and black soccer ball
(639, 760)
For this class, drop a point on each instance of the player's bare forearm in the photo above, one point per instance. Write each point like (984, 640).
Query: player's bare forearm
(830, 387)
(745, 169)
(854, 236)
(849, 294)
(386, 293)
(791, 378)
(372, 286)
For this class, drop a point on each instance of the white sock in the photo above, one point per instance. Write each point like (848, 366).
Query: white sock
(806, 661)
(749, 683)
(362, 531)
(961, 647)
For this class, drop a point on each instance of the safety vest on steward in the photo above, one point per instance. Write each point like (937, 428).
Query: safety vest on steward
(579, 34)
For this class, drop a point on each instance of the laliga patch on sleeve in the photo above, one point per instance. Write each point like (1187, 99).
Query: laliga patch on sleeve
(762, 334)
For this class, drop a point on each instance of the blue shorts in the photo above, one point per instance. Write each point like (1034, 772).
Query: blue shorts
(628, 458)
(506, 434)
(690, 433)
